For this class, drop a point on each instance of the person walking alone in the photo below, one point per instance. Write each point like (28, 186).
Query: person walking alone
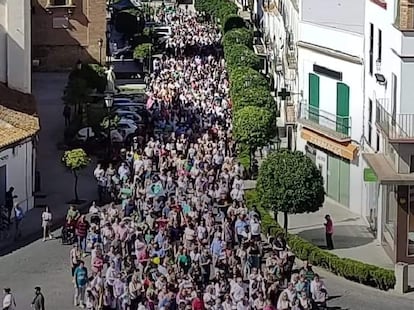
(18, 217)
(10, 203)
(8, 300)
(329, 232)
(38, 302)
(46, 223)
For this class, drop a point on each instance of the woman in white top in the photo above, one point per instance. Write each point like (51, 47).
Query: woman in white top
(46, 223)
(8, 300)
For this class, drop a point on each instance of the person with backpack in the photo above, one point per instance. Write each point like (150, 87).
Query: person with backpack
(18, 217)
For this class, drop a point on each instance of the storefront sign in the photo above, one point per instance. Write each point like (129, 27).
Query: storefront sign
(369, 175)
(347, 151)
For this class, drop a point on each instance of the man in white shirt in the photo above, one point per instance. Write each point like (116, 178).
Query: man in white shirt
(237, 291)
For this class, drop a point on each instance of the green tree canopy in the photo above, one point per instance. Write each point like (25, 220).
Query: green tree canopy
(253, 126)
(143, 50)
(238, 36)
(289, 182)
(240, 55)
(253, 96)
(76, 160)
(232, 21)
(242, 75)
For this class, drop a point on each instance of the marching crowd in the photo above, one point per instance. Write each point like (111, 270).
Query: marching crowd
(177, 233)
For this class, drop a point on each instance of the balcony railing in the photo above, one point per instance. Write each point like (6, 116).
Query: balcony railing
(338, 125)
(395, 127)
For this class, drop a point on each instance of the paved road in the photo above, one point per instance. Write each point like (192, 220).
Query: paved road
(40, 263)
(46, 264)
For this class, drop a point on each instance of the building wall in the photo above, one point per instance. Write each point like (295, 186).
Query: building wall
(15, 44)
(61, 48)
(20, 173)
(353, 76)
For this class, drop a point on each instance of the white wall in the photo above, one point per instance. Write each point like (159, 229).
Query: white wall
(339, 40)
(18, 161)
(19, 45)
(3, 42)
(352, 75)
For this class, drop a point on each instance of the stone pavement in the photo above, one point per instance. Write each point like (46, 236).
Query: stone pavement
(56, 180)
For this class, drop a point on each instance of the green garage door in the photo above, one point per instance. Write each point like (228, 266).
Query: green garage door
(338, 180)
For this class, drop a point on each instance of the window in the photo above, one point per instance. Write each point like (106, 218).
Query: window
(378, 142)
(379, 45)
(412, 164)
(371, 48)
(369, 134)
(313, 112)
(342, 108)
(390, 209)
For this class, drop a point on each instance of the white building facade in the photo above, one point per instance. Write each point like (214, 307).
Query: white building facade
(389, 124)
(331, 81)
(15, 44)
(278, 20)
(19, 123)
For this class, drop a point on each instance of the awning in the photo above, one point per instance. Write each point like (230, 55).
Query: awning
(385, 172)
(346, 150)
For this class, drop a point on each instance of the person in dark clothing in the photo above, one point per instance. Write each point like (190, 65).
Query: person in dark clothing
(38, 302)
(10, 203)
(66, 114)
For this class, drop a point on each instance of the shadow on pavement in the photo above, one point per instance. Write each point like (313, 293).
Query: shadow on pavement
(345, 236)
(31, 234)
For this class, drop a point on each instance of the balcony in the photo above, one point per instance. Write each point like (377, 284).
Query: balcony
(330, 125)
(399, 128)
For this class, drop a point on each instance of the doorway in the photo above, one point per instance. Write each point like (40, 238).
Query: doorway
(3, 185)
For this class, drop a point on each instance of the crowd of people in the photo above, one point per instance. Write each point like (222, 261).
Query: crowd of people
(177, 233)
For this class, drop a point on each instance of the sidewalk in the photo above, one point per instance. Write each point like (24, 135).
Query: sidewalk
(56, 181)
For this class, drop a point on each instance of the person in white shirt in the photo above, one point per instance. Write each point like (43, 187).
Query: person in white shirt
(46, 223)
(8, 300)
(237, 291)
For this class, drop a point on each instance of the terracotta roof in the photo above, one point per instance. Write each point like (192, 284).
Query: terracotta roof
(18, 116)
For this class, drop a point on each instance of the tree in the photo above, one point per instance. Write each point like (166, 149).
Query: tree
(254, 96)
(238, 35)
(289, 182)
(253, 127)
(76, 160)
(232, 21)
(240, 55)
(76, 93)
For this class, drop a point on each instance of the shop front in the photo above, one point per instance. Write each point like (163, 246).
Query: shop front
(334, 160)
(395, 208)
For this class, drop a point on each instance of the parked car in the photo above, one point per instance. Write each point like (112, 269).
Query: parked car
(125, 102)
(126, 128)
(138, 119)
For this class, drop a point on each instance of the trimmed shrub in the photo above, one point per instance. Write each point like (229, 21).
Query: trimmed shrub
(254, 96)
(239, 76)
(240, 55)
(232, 21)
(350, 269)
(238, 36)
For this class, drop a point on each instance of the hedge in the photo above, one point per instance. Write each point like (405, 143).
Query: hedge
(235, 36)
(240, 55)
(254, 96)
(93, 74)
(240, 75)
(219, 9)
(232, 21)
(350, 269)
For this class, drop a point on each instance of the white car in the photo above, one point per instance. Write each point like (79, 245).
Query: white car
(125, 129)
(130, 115)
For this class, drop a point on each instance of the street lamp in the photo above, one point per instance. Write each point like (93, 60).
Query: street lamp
(100, 44)
(109, 101)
